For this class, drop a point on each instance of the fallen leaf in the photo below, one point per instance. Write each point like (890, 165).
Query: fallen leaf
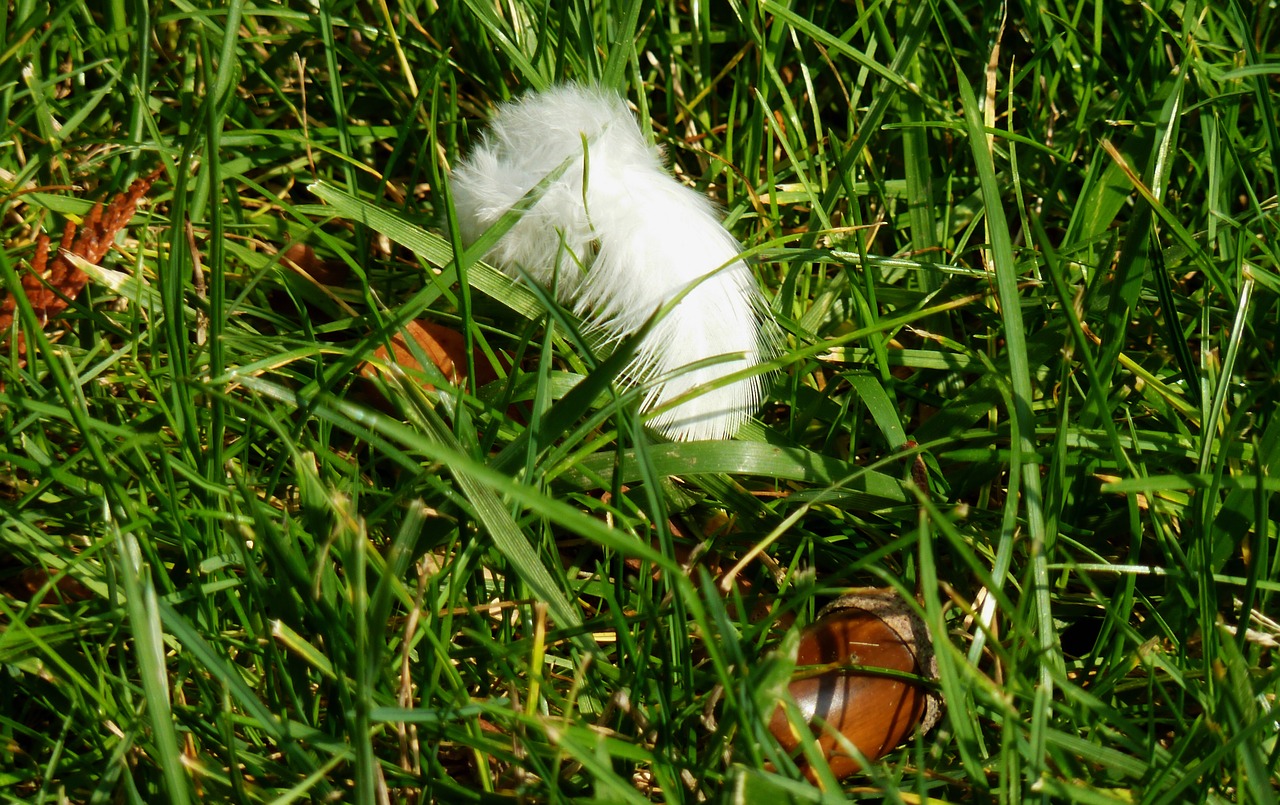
(445, 347)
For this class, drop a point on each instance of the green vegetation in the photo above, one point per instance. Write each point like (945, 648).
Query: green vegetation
(1033, 253)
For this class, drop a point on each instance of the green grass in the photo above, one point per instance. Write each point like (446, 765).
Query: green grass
(1048, 271)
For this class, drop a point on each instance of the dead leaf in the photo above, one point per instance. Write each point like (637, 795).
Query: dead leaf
(306, 261)
(445, 347)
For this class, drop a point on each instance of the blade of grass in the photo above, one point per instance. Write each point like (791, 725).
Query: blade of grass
(1024, 461)
(144, 618)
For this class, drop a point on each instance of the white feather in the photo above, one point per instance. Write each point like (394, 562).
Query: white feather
(634, 240)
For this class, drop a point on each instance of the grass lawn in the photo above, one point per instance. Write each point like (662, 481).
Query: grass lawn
(1025, 260)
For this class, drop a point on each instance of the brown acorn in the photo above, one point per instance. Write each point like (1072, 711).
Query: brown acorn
(874, 629)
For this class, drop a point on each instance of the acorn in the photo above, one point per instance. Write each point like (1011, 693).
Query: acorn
(871, 629)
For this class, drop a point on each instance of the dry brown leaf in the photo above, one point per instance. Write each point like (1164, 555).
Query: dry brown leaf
(446, 348)
(325, 272)
(31, 580)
